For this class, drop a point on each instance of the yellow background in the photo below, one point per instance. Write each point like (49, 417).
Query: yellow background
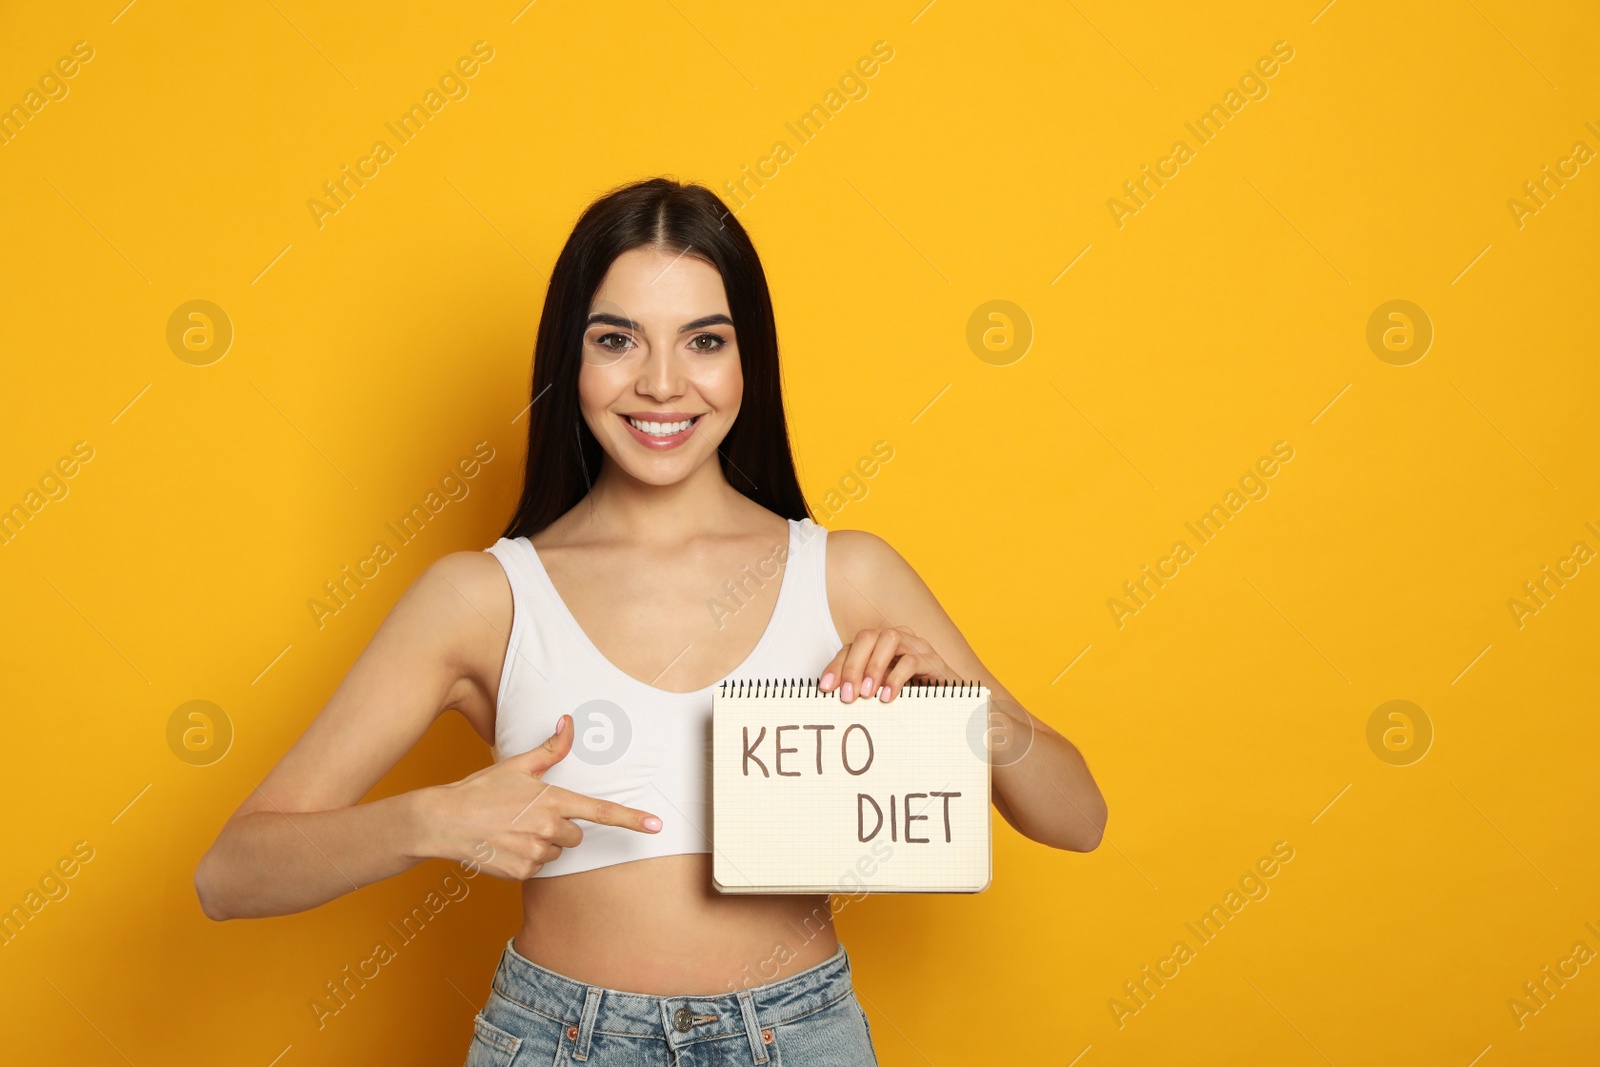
(1228, 314)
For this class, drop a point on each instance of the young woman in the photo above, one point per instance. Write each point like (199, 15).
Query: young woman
(659, 481)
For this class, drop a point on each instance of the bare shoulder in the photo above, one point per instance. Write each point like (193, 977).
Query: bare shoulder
(862, 553)
(477, 576)
(468, 594)
(471, 587)
(868, 580)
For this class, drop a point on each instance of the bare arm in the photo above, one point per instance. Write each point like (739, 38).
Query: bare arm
(1042, 785)
(301, 838)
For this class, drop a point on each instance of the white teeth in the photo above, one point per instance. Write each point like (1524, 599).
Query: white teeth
(661, 429)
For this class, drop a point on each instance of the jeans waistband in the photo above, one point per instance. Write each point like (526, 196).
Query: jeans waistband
(678, 1020)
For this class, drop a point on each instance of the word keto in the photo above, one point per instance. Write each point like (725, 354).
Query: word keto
(339, 590)
(782, 951)
(1581, 554)
(52, 486)
(52, 886)
(851, 487)
(339, 191)
(1254, 87)
(1254, 487)
(1254, 888)
(1581, 153)
(865, 764)
(852, 86)
(1542, 994)
(15, 118)
(411, 926)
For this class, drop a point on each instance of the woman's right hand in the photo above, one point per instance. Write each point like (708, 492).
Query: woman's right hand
(524, 822)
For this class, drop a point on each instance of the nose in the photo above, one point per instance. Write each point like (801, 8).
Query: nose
(661, 374)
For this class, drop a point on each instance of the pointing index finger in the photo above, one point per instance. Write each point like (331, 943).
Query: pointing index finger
(607, 813)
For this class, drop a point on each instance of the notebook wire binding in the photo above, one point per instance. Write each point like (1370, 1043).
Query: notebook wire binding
(808, 687)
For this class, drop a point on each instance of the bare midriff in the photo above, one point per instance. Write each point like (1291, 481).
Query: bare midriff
(659, 926)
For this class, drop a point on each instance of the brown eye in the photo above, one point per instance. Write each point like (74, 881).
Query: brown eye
(605, 339)
(716, 344)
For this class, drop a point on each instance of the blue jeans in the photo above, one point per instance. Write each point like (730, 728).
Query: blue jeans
(535, 1017)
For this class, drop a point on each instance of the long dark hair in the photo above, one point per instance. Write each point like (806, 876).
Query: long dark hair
(563, 454)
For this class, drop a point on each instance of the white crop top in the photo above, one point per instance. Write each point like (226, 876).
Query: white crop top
(635, 744)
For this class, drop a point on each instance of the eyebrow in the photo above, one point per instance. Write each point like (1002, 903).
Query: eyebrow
(601, 317)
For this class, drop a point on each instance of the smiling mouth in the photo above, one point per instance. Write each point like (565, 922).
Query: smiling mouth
(661, 429)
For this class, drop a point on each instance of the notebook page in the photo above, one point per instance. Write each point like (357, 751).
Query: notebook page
(810, 794)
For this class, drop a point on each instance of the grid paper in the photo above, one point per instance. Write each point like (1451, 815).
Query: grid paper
(801, 833)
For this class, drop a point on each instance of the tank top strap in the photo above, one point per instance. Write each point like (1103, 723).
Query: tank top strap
(812, 621)
(533, 646)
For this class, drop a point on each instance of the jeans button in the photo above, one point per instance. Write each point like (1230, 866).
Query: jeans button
(682, 1020)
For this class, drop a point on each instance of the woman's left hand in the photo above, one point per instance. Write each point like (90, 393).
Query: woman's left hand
(882, 661)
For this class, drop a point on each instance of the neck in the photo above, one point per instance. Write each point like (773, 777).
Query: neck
(621, 507)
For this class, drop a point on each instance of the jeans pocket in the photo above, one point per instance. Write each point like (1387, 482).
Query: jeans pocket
(836, 1036)
(491, 1046)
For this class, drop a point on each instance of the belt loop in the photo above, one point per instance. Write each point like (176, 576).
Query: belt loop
(752, 1026)
(591, 1008)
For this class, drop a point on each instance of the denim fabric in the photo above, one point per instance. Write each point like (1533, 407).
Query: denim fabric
(535, 1017)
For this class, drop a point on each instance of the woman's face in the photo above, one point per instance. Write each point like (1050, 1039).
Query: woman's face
(659, 352)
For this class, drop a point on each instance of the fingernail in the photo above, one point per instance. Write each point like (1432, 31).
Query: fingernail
(883, 694)
(866, 687)
(827, 680)
(847, 693)
(652, 823)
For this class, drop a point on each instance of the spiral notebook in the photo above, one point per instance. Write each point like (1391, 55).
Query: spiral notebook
(813, 795)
